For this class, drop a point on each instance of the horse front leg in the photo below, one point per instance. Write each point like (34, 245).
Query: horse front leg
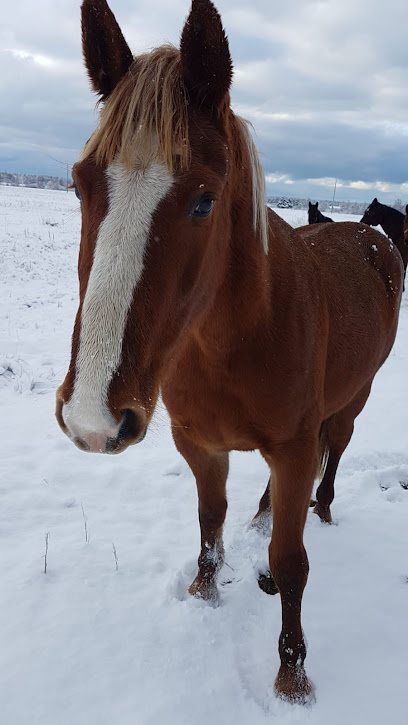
(294, 470)
(210, 471)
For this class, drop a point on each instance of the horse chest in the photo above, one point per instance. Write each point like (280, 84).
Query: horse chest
(211, 416)
(225, 413)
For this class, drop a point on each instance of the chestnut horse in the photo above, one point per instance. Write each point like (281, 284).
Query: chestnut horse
(259, 336)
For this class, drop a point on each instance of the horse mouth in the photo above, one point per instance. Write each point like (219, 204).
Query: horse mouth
(118, 445)
(110, 446)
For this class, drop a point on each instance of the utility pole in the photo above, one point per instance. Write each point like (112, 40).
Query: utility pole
(334, 194)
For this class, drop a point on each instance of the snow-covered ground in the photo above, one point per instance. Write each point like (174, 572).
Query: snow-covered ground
(89, 644)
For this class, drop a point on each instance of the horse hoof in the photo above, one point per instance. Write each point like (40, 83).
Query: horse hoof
(323, 513)
(292, 685)
(202, 589)
(262, 523)
(267, 584)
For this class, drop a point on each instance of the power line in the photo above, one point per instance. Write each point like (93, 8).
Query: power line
(63, 163)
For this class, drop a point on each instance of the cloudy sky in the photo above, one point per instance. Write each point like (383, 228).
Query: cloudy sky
(324, 82)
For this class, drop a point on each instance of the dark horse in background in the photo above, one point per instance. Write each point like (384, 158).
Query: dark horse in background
(258, 336)
(406, 225)
(315, 216)
(392, 221)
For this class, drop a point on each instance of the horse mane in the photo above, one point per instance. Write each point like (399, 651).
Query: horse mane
(259, 208)
(146, 118)
(149, 104)
(395, 213)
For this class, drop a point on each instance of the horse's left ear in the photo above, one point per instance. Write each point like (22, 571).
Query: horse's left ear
(205, 58)
(106, 53)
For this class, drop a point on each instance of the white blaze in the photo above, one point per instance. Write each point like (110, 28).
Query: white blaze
(116, 270)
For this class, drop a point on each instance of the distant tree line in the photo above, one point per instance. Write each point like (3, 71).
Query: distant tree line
(33, 181)
(342, 207)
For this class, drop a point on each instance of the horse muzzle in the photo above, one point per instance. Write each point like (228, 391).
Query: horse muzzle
(130, 430)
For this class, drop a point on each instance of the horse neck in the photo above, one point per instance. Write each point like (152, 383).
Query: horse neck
(242, 292)
(392, 222)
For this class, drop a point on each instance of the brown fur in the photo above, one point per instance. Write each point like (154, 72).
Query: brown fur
(251, 351)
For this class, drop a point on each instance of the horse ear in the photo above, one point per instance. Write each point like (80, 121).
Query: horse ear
(310, 204)
(406, 209)
(205, 58)
(375, 201)
(317, 204)
(107, 55)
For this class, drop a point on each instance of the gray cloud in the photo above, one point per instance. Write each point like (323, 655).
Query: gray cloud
(323, 82)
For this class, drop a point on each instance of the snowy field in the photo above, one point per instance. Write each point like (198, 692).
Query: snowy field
(104, 641)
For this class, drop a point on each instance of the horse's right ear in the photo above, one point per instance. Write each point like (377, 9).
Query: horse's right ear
(205, 58)
(310, 204)
(375, 201)
(107, 55)
(406, 209)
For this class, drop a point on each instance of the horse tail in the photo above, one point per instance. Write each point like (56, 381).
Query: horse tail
(323, 448)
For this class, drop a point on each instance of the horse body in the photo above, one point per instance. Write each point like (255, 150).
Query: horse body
(303, 367)
(258, 335)
(277, 346)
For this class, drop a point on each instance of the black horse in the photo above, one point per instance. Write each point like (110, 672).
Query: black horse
(316, 216)
(392, 222)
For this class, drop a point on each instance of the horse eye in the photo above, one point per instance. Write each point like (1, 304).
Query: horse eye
(203, 207)
(77, 194)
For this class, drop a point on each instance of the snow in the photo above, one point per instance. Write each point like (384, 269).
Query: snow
(89, 643)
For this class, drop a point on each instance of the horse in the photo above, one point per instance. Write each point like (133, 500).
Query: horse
(392, 221)
(315, 216)
(258, 336)
(405, 225)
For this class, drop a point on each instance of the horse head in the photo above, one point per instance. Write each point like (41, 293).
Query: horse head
(372, 214)
(313, 213)
(155, 184)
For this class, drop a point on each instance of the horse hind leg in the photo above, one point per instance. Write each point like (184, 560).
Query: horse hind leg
(335, 437)
(263, 518)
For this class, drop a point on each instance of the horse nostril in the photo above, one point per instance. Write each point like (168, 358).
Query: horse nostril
(58, 412)
(81, 444)
(131, 428)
